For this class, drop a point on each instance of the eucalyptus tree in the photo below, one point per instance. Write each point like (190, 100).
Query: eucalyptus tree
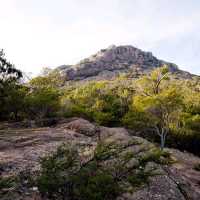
(160, 100)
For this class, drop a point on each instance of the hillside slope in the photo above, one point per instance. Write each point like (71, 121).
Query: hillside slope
(21, 149)
(115, 60)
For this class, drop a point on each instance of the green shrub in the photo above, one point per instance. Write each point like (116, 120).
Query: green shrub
(57, 171)
(7, 182)
(103, 118)
(94, 183)
(64, 176)
(140, 178)
(157, 156)
(42, 103)
(135, 120)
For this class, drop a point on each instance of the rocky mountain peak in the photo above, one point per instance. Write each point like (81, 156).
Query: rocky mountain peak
(112, 61)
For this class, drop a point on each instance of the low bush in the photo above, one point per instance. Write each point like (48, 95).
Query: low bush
(7, 182)
(65, 175)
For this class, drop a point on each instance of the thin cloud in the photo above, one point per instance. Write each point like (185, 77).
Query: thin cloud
(39, 33)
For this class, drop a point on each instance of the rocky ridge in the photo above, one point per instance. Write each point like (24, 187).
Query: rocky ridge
(115, 60)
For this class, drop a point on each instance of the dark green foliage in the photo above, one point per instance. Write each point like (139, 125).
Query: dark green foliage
(7, 182)
(14, 102)
(42, 103)
(40, 98)
(140, 177)
(57, 172)
(9, 88)
(43, 99)
(64, 176)
(94, 183)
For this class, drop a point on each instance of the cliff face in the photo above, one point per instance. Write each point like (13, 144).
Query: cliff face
(108, 63)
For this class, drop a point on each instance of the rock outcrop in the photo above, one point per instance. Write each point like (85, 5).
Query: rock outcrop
(115, 60)
(21, 149)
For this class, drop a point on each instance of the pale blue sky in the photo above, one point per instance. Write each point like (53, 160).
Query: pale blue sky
(41, 33)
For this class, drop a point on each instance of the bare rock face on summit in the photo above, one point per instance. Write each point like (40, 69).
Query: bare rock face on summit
(115, 60)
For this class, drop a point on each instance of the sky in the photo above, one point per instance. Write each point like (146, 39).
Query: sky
(49, 33)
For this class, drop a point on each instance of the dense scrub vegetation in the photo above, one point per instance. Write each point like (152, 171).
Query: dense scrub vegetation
(157, 106)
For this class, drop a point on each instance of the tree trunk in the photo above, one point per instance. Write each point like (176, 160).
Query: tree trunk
(163, 137)
(162, 133)
(162, 145)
